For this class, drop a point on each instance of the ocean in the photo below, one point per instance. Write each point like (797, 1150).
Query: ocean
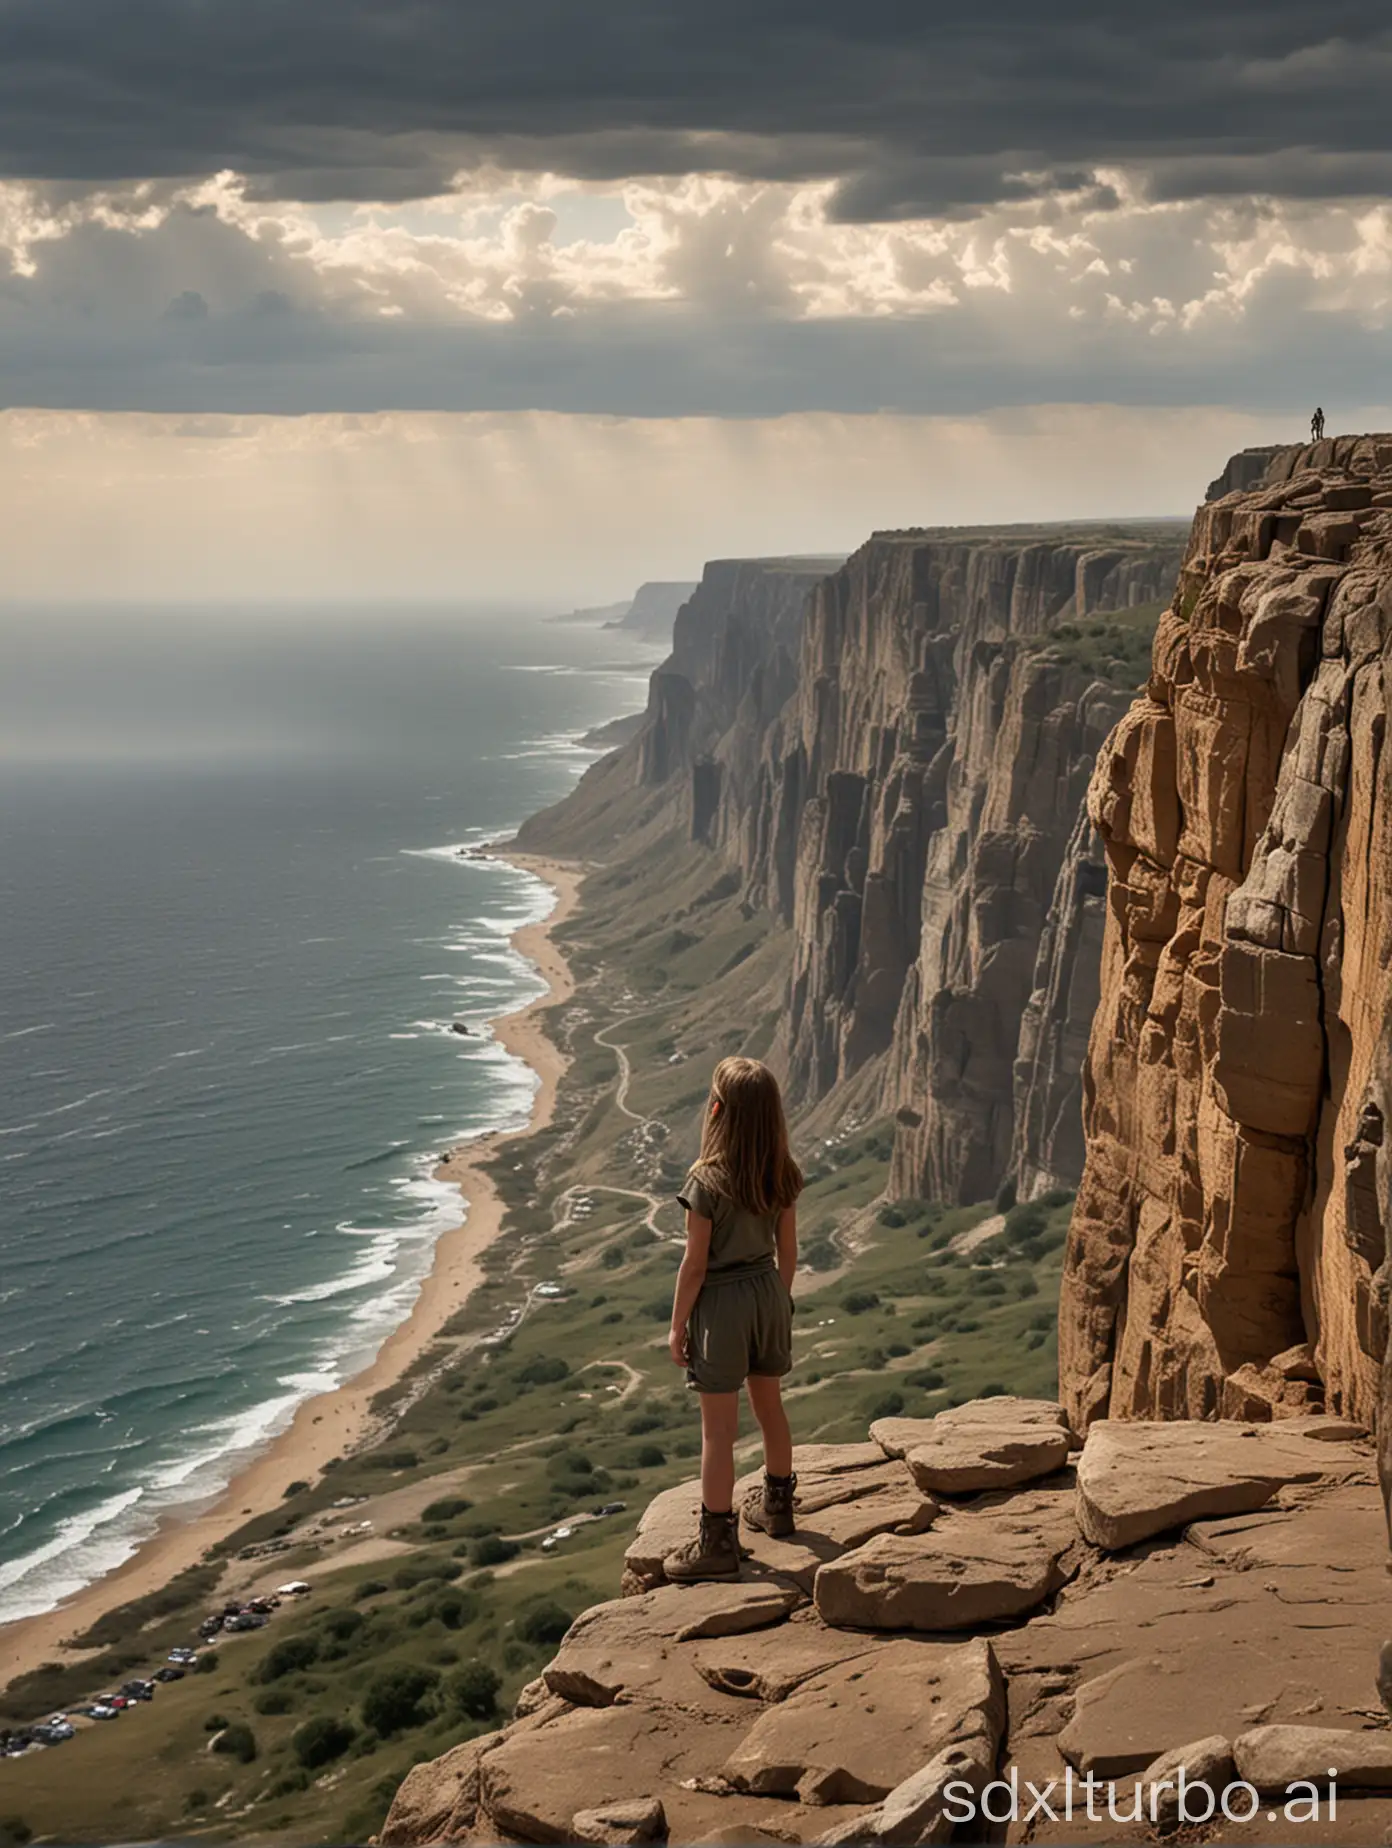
(235, 934)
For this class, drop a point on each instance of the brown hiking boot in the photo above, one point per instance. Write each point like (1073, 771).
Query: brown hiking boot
(713, 1554)
(772, 1511)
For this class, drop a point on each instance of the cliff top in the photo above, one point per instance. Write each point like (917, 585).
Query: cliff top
(964, 1596)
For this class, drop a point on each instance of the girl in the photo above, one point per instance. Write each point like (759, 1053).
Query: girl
(732, 1313)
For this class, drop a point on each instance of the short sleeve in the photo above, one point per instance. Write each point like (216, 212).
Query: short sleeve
(697, 1198)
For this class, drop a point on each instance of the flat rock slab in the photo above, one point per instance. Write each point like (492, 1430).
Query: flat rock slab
(843, 1506)
(970, 1569)
(534, 1784)
(1271, 1757)
(856, 1732)
(985, 1444)
(633, 1645)
(769, 1665)
(846, 1492)
(1342, 1537)
(1137, 1480)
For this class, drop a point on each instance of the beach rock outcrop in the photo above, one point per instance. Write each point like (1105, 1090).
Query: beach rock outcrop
(742, 1713)
(1228, 1253)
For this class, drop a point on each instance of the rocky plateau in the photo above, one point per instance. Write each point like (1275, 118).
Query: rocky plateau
(1161, 1592)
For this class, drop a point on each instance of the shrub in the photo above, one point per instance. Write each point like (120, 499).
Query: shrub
(195, 1800)
(455, 1608)
(891, 1216)
(473, 1690)
(493, 1550)
(448, 1508)
(859, 1301)
(1005, 1197)
(15, 1831)
(546, 1622)
(649, 1457)
(614, 1315)
(819, 1254)
(215, 1722)
(420, 1571)
(643, 1422)
(238, 1741)
(929, 1379)
(657, 1308)
(342, 1624)
(994, 1391)
(570, 1463)
(898, 1350)
(611, 1257)
(397, 1698)
(275, 1701)
(486, 1404)
(543, 1370)
(371, 1588)
(288, 1657)
(320, 1740)
(207, 1663)
(888, 1406)
(293, 1488)
(391, 1459)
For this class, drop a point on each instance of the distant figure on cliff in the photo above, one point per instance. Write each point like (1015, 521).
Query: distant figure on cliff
(732, 1314)
(1317, 425)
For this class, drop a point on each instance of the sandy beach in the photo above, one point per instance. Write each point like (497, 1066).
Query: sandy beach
(338, 1422)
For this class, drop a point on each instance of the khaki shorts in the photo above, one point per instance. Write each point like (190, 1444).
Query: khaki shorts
(740, 1325)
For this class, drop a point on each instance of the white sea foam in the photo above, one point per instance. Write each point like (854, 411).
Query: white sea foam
(388, 1265)
(79, 1550)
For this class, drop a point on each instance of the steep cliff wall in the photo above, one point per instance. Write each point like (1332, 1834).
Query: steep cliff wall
(1228, 1253)
(894, 755)
(913, 805)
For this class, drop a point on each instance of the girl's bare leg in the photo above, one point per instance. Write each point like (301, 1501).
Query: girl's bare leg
(719, 1429)
(766, 1397)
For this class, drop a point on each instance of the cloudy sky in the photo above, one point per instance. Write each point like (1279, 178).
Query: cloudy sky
(346, 295)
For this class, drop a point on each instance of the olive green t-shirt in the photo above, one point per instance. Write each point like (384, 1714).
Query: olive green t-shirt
(739, 1238)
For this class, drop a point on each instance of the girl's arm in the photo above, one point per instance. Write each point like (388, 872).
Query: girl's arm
(785, 1236)
(689, 1280)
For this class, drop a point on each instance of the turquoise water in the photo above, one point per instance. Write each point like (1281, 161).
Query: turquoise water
(235, 930)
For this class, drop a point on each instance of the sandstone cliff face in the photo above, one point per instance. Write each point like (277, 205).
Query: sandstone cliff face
(1228, 1253)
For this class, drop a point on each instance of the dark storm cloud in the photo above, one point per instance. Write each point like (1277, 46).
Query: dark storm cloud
(920, 108)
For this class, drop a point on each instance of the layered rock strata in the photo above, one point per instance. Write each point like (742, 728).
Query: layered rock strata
(1149, 1616)
(892, 756)
(1228, 1253)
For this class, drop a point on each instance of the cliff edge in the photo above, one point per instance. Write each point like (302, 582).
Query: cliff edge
(1228, 1253)
(967, 1599)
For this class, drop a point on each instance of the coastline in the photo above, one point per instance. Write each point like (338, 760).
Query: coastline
(341, 1420)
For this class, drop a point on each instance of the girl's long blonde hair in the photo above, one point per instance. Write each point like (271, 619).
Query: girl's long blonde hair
(744, 1141)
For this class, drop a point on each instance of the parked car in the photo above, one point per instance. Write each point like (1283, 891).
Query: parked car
(612, 1508)
(170, 1674)
(246, 1620)
(185, 1658)
(138, 1690)
(210, 1626)
(298, 1587)
(101, 1711)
